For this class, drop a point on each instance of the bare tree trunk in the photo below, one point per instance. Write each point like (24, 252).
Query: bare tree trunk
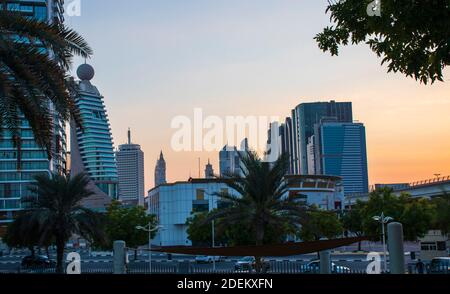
(259, 242)
(60, 244)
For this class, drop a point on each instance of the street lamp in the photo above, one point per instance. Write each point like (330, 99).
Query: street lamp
(148, 228)
(213, 231)
(382, 219)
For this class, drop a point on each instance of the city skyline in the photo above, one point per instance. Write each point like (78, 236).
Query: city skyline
(264, 58)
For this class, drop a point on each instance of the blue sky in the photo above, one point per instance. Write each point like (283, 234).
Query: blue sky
(155, 59)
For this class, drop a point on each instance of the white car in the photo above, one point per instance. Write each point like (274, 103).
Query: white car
(208, 259)
(314, 267)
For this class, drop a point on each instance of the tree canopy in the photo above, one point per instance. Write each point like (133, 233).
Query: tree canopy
(121, 223)
(416, 214)
(411, 37)
(320, 224)
(55, 213)
(31, 78)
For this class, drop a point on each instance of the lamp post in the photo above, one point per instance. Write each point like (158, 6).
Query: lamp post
(148, 228)
(213, 232)
(382, 219)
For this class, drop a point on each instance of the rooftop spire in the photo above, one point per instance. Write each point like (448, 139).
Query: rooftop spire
(129, 136)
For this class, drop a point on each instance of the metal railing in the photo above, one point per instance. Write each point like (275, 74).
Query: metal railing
(430, 181)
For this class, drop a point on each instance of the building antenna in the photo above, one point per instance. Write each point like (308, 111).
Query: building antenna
(129, 136)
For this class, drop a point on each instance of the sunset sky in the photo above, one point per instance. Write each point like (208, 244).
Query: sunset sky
(157, 59)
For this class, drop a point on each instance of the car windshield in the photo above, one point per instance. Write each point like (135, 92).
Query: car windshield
(248, 258)
(439, 263)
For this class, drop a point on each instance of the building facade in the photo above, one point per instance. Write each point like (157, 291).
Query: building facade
(14, 181)
(310, 148)
(304, 117)
(130, 167)
(174, 203)
(160, 171)
(341, 151)
(209, 171)
(92, 150)
(230, 159)
(325, 192)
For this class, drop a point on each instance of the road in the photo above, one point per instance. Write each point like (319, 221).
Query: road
(102, 261)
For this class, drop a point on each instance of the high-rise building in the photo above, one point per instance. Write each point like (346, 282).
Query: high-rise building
(92, 150)
(14, 181)
(289, 145)
(230, 159)
(275, 142)
(304, 117)
(311, 156)
(209, 171)
(340, 150)
(130, 166)
(160, 171)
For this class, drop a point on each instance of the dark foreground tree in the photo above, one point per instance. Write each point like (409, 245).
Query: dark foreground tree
(31, 77)
(55, 213)
(441, 215)
(414, 213)
(260, 202)
(200, 232)
(412, 37)
(121, 223)
(352, 220)
(320, 224)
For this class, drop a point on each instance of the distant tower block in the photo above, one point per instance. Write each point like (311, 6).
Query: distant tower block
(209, 171)
(160, 171)
(130, 163)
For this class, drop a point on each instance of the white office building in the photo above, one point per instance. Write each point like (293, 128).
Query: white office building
(130, 166)
(174, 203)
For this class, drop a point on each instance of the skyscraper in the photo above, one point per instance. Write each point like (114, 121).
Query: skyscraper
(14, 181)
(160, 171)
(92, 147)
(209, 171)
(304, 117)
(341, 151)
(230, 159)
(130, 166)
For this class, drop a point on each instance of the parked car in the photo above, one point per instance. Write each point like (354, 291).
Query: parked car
(248, 263)
(208, 259)
(37, 261)
(440, 265)
(314, 267)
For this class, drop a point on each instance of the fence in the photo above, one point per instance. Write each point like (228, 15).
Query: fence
(274, 267)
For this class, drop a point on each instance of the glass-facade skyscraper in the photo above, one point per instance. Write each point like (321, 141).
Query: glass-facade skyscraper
(92, 150)
(14, 181)
(304, 117)
(340, 150)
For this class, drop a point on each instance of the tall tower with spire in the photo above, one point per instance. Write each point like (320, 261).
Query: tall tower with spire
(209, 171)
(160, 171)
(130, 166)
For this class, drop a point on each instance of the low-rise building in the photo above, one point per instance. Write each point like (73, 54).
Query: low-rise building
(174, 203)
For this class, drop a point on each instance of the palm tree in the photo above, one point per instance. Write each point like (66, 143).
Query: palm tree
(34, 59)
(56, 214)
(262, 202)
